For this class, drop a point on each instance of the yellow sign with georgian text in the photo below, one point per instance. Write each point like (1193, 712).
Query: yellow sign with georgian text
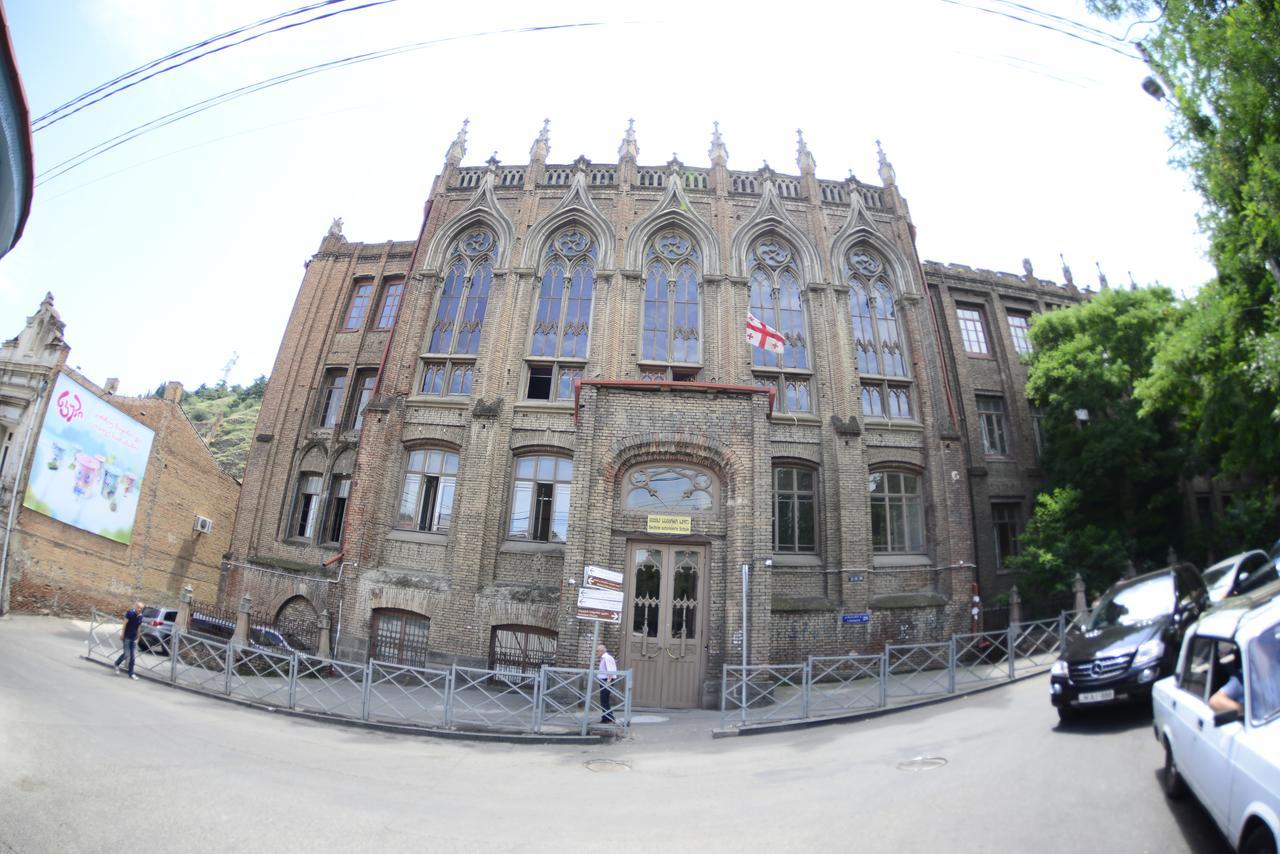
(669, 524)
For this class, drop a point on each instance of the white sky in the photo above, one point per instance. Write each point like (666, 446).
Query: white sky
(169, 253)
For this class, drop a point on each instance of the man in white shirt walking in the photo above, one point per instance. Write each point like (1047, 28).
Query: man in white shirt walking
(606, 674)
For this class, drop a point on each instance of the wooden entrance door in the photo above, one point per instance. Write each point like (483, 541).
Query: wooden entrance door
(663, 623)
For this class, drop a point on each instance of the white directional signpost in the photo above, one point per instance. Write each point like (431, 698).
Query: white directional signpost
(600, 601)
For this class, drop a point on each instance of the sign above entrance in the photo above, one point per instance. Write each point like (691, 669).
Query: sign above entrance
(601, 578)
(659, 524)
(601, 606)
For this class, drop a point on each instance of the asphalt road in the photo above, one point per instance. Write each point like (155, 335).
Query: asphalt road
(90, 761)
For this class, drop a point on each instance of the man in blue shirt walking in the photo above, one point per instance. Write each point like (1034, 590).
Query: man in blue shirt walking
(129, 635)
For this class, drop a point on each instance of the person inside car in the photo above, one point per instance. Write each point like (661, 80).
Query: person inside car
(1230, 697)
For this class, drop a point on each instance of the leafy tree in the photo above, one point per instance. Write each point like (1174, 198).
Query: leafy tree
(1124, 464)
(1055, 546)
(1220, 62)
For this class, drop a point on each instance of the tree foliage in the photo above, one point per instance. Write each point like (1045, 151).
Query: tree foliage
(1221, 61)
(1056, 546)
(1124, 464)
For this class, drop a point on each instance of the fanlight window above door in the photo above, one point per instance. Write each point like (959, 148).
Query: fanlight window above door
(657, 488)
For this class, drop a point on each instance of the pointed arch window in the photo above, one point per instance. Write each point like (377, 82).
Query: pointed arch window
(777, 299)
(449, 363)
(562, 319)
(671, 336)
(878, 341)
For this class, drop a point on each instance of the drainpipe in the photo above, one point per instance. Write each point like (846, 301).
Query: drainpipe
(13, 500)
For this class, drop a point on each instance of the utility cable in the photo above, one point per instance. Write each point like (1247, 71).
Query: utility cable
(182, 51)
(214, 50)
(200, 106)
(1045, 26)
(1070, 21)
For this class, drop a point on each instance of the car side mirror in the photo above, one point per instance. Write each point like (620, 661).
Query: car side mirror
(1228, 717)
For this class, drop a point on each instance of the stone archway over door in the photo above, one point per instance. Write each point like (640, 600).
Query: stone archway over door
(663, 623)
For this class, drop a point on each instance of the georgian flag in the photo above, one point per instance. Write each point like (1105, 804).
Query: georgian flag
(764, 336)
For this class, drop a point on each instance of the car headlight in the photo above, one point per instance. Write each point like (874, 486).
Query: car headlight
(1148, 651)
(1059, 668)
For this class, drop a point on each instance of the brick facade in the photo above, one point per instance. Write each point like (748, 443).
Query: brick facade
(60, 567)
(473, 577)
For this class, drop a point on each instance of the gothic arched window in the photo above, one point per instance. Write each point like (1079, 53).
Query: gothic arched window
(449, 364)
(878, 342)
(562, 320)
(777, 300)
(671, 343)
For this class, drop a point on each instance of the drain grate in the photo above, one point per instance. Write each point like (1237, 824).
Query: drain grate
(922, 763)
(605, 765)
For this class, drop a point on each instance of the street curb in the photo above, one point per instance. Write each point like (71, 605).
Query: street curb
(379, 726)
(788, 726)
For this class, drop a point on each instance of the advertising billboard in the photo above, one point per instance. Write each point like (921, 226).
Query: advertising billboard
(89, 462)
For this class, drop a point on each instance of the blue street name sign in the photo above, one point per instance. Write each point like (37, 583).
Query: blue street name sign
(857, 578)
(855, 618)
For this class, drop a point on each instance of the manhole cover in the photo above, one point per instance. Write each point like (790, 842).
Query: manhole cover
(607, 765)
(921, 763)
(649, 719)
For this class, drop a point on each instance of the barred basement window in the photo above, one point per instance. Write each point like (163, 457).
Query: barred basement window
(399, 637)
(521, 649)
(776, 299)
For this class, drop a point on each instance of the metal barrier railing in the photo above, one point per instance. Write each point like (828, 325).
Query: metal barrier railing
(553, 700)
(837, 685)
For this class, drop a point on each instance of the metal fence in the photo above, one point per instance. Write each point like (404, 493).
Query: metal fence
(551, 701)
(828, 686)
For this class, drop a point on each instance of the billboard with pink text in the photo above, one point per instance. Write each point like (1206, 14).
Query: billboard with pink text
(89, 463)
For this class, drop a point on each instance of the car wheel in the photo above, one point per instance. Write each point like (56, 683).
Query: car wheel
(1259, 842)
(1174, 785)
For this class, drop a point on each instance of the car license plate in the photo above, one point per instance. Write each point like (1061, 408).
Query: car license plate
(1096, 696)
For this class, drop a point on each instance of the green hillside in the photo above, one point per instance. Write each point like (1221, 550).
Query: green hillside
(225, 416)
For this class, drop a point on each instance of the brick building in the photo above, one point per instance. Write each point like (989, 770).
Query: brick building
(554, 374)
(53, 564)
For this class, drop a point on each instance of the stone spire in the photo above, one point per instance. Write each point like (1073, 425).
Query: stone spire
(458, 147)
(1102, 277)
(887, 175)
(1133, 286)
(541, 145)
(718, 153)
(629, 150)
(804, 157)
(1066, 272)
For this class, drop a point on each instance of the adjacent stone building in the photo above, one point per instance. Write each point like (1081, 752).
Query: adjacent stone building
(56, 565)
(555, 374)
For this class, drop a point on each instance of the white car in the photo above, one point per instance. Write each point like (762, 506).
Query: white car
(1239, 574)
(1229, 759)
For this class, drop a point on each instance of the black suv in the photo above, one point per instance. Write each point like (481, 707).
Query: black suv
(1131, 639)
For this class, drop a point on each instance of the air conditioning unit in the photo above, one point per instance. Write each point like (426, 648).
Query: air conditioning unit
(203, 525)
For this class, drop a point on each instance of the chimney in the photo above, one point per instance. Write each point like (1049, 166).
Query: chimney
(113, 383)
(173, 392)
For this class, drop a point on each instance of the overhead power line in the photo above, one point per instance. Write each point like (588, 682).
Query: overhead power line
(1046, 26)
(84, 104)
(103, 147)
